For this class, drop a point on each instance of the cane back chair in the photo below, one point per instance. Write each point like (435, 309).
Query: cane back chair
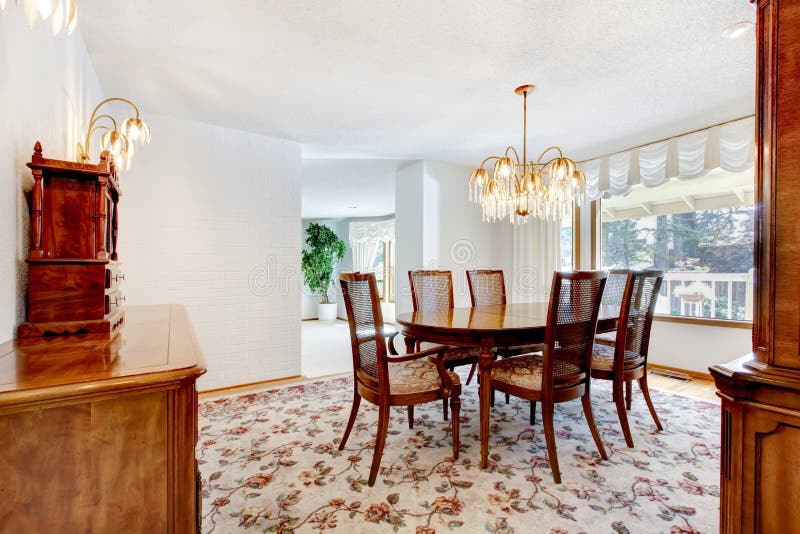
(612, 297)
(626, 360)
(433, 290)
(562, 372)
(487, 287)
(391, 380)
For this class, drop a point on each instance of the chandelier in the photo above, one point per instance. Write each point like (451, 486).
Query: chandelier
(118, 141)
(546, 189)
(62, 13)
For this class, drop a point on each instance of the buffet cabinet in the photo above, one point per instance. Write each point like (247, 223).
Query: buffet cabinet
(98, 432)
(73, 264)
(760, 392)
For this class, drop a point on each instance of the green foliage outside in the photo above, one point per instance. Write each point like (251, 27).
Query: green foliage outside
(324, 250)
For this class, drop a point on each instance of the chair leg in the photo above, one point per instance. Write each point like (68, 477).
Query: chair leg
(353, 414)
(471, 372)
(455, 409)
(628, 395)
(411, 416)
(444, 408)
(492, 399)
(508, 398)
(550, 438)
(646, 393)
(621, 413)
(533, 413)
(587, 412)
(380, 441)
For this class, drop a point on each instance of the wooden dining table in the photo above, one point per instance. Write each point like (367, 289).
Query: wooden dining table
(488, 327)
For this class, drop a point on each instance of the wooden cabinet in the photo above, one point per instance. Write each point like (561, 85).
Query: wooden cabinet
(98, 433)
(760, 479)
(73, 248)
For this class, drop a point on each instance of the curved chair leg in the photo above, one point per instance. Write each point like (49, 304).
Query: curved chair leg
(380, 441)
(471, 372)
(550, 438)
(619, 400)
(508, 398)
(646, 393)
(411, 416)
(628, 394)
(444, 408)
(455, 408)
(533, 413)
(353, 414)
(587, 411)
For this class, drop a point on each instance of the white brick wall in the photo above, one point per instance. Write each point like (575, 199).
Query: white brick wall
(205, 210)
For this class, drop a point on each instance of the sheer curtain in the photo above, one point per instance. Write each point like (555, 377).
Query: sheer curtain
(366, 239)
(537, 255)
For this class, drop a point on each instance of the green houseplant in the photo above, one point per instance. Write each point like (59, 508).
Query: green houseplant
(324, 248)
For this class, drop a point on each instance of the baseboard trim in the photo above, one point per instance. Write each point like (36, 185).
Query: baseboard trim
(250, 385)
(697, 375)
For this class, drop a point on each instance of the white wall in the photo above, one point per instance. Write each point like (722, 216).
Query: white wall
(437, 227)
(696, 347)
(48, 88)
(210, 218)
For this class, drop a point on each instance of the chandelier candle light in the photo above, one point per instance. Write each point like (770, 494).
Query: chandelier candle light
(62, 13)
(119, 142)
(545, 189)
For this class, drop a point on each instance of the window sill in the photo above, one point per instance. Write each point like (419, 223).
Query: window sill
(704, 321)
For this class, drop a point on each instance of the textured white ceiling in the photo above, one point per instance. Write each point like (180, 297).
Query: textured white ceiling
(339, 188)
(433, 79)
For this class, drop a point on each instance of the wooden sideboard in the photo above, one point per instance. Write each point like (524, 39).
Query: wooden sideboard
(98, 434)
(760, 479)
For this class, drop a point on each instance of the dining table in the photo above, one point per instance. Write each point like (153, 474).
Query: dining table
(488, 327)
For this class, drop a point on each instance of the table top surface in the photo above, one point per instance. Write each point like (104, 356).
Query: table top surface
(497, 318)
(155, 343)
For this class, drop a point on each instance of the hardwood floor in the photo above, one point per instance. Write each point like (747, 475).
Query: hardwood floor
(695, 387)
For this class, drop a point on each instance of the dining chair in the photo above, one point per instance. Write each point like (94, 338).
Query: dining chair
(562, 372)
(487, 287)
(612, 297)
(390, 379)
(626, 360)
(433, 290)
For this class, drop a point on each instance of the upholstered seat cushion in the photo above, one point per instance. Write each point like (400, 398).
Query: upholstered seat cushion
(609, 338)
(455, 353)
(415, 376)
(603, 358)
(526, 372)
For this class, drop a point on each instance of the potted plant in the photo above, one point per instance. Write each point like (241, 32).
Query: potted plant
(324, 248)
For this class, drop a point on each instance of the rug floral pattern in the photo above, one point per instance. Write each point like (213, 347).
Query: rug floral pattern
(269, 463)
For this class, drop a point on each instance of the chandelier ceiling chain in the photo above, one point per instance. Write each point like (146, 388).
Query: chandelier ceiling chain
(519, 189)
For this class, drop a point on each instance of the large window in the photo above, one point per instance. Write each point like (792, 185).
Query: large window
(567, 236)
(700, 233)
(384, 270)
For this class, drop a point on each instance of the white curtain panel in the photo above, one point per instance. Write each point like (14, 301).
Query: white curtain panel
(537, 253)
(730, 146)
(365, 241)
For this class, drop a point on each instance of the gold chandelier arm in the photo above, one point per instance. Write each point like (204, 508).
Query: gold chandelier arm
(488, 159)
(545, 151)
(92, 129)
(516, 154)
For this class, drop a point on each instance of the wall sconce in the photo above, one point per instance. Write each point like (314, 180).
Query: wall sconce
(62, 13)
(118, 141)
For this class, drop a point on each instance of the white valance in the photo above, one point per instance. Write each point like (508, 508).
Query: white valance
(371, 231)
(730, 146)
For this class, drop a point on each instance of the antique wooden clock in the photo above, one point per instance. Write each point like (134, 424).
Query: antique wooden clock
(74, 273)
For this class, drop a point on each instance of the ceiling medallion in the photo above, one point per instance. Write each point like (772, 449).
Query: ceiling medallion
(545, 189)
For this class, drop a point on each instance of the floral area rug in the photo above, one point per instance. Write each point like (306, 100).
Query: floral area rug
(269, 463)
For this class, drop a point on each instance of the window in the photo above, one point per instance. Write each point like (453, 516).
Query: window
(699, 232)
(384, 271)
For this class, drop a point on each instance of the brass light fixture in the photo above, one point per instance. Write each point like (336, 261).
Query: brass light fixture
(545, 189)
(62, 13)
(118, 141)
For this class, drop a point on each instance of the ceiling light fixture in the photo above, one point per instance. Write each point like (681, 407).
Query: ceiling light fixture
(62, 13)
(119, 142)
(545, 189)
(734, 31)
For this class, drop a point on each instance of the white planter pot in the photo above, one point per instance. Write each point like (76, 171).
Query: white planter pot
(326, 312)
